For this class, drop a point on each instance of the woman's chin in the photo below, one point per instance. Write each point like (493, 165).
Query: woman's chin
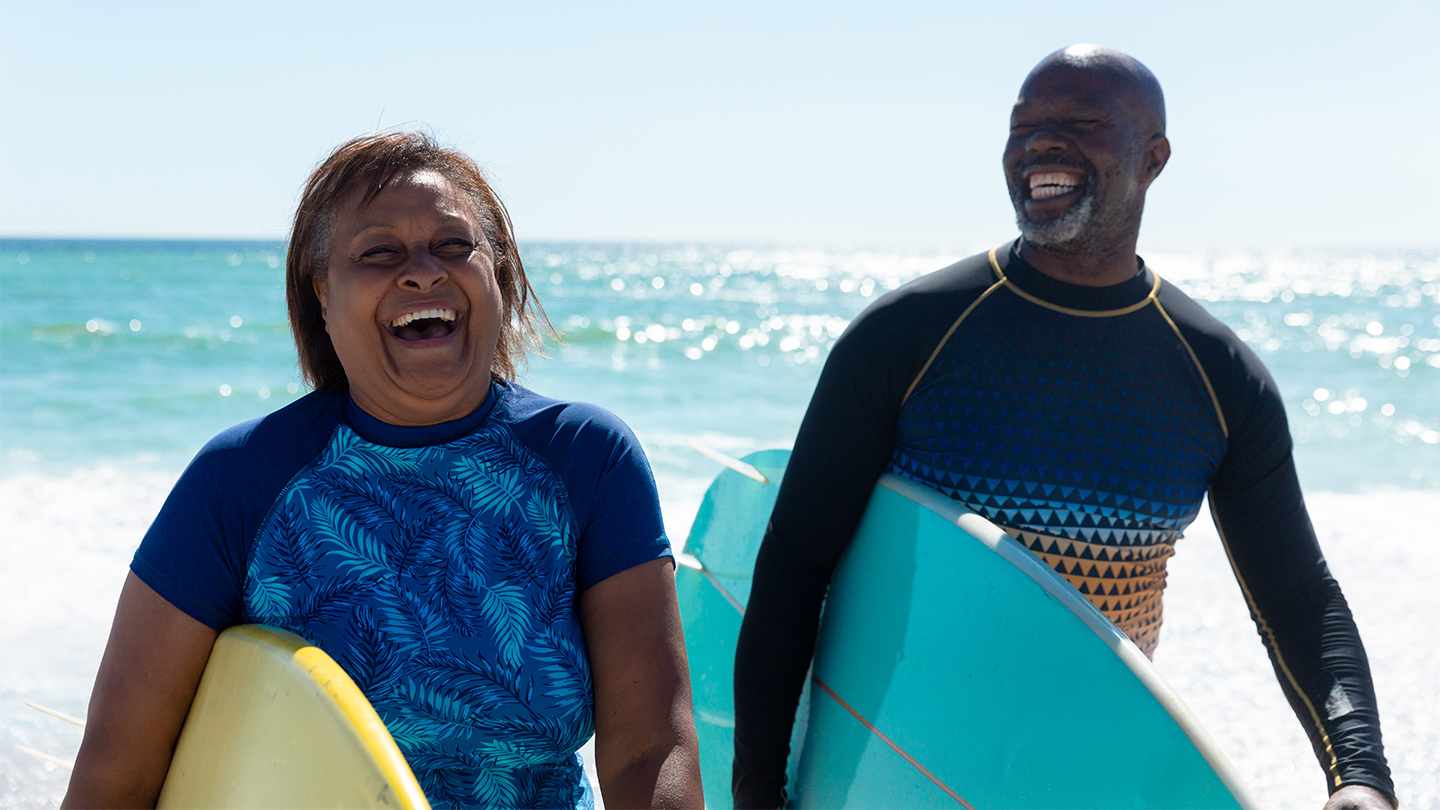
(423, 399)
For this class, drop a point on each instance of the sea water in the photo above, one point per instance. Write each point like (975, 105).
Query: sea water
(119, 359)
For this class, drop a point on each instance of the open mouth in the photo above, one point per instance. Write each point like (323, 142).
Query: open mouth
(1045, 185)
(425, 324)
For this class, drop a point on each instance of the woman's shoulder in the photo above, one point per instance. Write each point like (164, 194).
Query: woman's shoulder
(532, 412)
(579, 440)
(291, 435)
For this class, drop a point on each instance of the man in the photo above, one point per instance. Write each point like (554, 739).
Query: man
(1059, 388)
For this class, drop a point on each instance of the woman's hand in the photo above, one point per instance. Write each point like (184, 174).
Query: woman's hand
(645, 749)
(152, 665)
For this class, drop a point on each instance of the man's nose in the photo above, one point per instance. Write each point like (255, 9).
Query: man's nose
(1046, 138)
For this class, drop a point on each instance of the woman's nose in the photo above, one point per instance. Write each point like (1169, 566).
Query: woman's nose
(421, 272)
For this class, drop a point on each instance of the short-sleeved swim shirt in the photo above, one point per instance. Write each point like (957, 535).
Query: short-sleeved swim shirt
(439, 565)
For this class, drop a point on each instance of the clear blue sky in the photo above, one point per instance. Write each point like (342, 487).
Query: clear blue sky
(1293, 123)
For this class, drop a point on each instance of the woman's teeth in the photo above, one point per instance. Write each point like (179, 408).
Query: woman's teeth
(411, 317)
(1052, 184)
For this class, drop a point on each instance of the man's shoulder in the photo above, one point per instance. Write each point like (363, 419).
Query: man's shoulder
(1243, 388)
(969, 276)
(900, 329)
(931, 297)
(1215, 344)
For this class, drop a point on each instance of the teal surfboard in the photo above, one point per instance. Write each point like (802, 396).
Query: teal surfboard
(953, 669)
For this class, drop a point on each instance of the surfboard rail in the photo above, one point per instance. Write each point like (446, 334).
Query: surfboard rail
(1057, 587)
(852, 772)
(276, 722)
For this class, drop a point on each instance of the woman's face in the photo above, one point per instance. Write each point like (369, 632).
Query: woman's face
(411, 302)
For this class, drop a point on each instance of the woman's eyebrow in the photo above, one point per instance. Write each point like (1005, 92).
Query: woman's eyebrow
(445, 220)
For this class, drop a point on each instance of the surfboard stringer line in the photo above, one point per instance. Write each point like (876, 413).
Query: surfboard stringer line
(691, 561)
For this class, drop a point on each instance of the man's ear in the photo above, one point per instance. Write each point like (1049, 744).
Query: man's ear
(1157, 154)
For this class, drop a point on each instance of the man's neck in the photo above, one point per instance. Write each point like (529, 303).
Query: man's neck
(1100, 269)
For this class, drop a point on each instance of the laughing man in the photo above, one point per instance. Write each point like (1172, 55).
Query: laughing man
(1061, 358)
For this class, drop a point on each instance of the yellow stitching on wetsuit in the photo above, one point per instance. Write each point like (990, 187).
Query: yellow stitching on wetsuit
(1108, 313)
(1205, 378)
(953, 327)
(1269, 636)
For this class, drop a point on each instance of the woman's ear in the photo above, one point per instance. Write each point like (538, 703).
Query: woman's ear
(318, 284)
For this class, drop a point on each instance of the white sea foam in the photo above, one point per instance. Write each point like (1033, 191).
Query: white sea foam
(69, 538)
(1380, 548)
(67, 542)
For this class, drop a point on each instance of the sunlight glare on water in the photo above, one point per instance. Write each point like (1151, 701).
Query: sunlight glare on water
(118, 360)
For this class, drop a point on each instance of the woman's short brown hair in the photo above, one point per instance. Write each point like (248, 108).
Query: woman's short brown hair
(370, 162)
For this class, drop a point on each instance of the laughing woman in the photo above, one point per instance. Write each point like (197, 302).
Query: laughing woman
(488, 564)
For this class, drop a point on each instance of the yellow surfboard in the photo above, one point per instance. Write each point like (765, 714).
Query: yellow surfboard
(276, 723)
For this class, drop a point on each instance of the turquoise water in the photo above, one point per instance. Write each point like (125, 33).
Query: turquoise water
(118, 360)
(135, 353)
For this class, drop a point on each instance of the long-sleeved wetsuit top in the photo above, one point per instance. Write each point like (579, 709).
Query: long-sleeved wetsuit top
(1089, 423)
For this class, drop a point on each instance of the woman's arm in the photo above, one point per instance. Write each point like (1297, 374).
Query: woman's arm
(152, 665)
(646, 754)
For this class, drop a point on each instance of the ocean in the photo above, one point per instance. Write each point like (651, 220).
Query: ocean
(119, 359)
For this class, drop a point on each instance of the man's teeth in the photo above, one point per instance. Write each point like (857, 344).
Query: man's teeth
(411, 317)
(1052, 184)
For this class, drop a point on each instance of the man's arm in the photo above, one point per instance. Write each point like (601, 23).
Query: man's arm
(1299, 611)
(1297, 606)
(1306, 625)
(845, 442)
(838, 456)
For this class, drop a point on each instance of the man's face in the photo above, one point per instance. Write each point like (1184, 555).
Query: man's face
(1076, 161)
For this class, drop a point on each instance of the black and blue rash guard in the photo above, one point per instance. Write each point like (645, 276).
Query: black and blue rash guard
(1089, 423)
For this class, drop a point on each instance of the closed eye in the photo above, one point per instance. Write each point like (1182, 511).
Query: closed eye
(454, 248)
(380, 252)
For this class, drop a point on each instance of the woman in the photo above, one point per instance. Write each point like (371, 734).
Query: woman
(488, 564)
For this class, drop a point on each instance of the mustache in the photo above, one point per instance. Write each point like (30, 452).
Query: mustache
(1041, 160)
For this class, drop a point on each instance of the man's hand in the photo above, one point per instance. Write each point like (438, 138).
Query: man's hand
(1358, 797)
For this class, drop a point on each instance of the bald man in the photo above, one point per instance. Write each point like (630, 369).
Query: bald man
(1061, 362)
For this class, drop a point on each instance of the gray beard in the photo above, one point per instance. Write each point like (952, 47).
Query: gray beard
(1067, 232)
(1088, 227)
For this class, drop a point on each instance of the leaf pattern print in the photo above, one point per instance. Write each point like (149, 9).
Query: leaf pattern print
(361, 552)
(489, 791)
(410, 625)
(267, 598)
(442, 579)
(496, 491)
(351, 455)
(328, 601)
(520, 558)
(373, 661)
(292, 557)
(458, 596)
(508, 613)
(546, 516)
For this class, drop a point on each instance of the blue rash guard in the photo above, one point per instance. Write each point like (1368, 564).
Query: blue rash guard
(439, 565)
(1088, 423)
